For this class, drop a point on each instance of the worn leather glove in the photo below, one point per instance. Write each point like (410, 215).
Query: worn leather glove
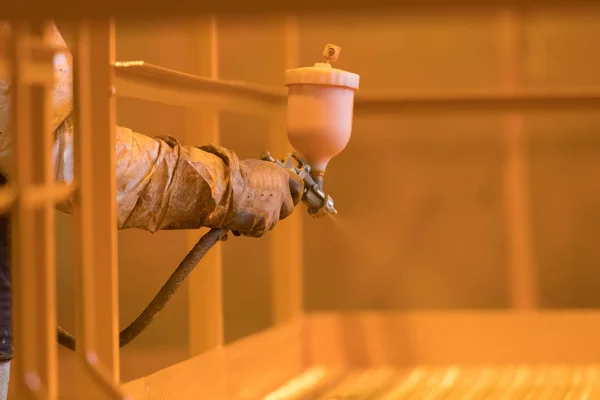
(266, 194)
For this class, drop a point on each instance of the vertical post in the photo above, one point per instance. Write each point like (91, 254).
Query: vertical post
(33, 281)
(95, 212)
(285, 253)
(103, 142)
(522, 273)
(205, 282)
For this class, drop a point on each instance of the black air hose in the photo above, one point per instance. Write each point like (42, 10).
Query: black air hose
(206, 242)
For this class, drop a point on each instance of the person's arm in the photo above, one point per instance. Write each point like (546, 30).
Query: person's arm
(162, 184)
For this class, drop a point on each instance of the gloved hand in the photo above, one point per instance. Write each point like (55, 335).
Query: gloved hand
(266, 194)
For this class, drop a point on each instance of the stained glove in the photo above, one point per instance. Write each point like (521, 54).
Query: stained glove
(269, 193)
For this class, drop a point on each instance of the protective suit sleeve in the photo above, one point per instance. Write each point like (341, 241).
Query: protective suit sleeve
(162, 184)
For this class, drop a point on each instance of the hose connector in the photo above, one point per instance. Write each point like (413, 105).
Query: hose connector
(319, 203)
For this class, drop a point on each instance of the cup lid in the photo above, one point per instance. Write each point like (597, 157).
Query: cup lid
(323, 73)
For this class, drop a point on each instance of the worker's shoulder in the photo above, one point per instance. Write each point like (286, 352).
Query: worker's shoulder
(62, 90)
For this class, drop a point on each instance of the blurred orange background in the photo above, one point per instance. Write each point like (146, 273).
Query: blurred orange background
(439, 207)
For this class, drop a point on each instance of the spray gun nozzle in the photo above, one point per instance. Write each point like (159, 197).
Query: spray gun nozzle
(319, 204)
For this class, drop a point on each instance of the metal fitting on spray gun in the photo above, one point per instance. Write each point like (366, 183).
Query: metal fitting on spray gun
(319, 203)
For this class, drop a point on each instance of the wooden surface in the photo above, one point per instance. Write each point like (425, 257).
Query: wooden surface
(246, 369)
(424, 354)
(551, 382)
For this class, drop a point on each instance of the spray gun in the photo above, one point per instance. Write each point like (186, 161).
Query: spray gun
(319, 124)
(319, 204)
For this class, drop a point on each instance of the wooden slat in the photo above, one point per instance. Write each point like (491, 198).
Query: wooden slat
(55, 192)
(307, 384)
(285, 243)
(205, 283)
(522, 283)
(33, 280)
(103, 141)
(95, 214)
(139, 80)
(548, 382)
(495, 100)
(148, 82)
(35, 195)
